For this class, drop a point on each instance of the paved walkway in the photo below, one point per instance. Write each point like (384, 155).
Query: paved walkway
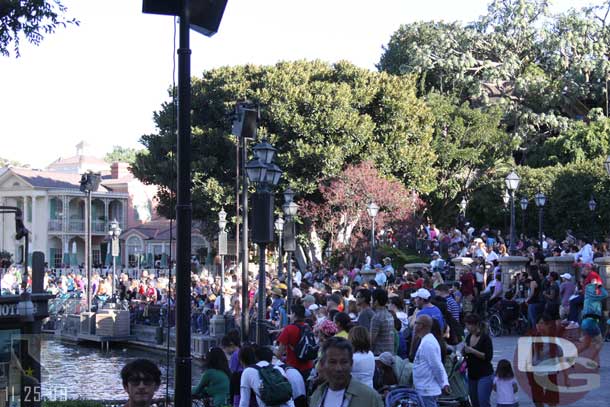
(505, 347)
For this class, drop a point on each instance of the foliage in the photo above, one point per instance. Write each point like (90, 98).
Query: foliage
(545, 72)
(32, 19)
(568, 190)
(341, 215)
(400, 257)
(319, 116)
(469, 143)
(6, 162)
(121, 154)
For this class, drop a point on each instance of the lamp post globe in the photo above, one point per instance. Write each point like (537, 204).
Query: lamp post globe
(592, 204)
(264, 151)
(524, 202)
(256, 171)
(540, 200)
(288, 195)
(506, 198)
(512, 181)
(463, 204)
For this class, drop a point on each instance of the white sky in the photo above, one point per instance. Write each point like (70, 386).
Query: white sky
(102, 81)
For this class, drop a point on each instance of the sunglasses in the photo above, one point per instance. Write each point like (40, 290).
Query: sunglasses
(146, 381)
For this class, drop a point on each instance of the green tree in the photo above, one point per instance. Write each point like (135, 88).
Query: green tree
(320, 117)
(121, 154)
(32, 19)
(469, 143)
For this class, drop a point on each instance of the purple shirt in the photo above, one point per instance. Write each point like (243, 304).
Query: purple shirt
(566, 290)
(234, 365)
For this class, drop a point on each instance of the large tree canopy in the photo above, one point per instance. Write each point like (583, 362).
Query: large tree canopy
(32, 19)
(320, 117)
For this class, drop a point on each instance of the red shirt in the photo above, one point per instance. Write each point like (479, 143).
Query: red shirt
(590, 277)
(419, 283)
(290, 337)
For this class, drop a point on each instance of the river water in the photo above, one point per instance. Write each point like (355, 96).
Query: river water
(71, 371)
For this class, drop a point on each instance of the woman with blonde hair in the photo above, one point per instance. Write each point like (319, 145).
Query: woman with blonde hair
(437, 279)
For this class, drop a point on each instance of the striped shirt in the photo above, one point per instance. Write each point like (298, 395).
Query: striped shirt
(382, 332)
(453, 308)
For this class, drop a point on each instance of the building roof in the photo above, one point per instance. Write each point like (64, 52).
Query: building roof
(49, 179)
(77, 159)
(158, 229)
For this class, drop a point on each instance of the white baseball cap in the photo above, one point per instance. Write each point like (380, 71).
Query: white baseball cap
(421, 293)
(566, 276)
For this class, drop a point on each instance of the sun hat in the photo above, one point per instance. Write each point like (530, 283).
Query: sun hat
(277, 291)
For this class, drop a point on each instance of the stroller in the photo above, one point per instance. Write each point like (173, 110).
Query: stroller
(459, 396)
(401, 396)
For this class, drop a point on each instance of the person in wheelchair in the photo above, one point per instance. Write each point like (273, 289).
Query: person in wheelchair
(508, 309)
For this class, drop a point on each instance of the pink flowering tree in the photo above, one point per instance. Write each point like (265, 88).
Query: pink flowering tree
(340, 217)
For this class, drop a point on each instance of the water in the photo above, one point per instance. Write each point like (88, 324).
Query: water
(71, 371)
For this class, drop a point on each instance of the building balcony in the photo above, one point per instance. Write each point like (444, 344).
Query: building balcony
(76, 225)
(56, 225)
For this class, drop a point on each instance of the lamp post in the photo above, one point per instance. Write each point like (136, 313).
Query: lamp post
(592, 207)
(114, 233)
(264, 174)
(279, 229)
(328, 251)
(373, 209)
(506, 200)
(89, 181)
(222, 252)
(540, 201)
(512, 183)
(290, 210)
(524, 202)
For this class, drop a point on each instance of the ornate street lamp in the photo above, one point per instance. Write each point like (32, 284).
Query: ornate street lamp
(540, 200)
(89, 181)
(592, 207)
(512, 183)
(114, 233)
(265, 175)
(523, 202)
(222, 252)
(279, 229)
(328, 252)
(373, 209)
(290, 210)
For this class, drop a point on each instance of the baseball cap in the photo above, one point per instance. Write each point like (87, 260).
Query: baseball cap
(566, 276)
(435, 253)
(386, 358)
(421, 293)
(313, 307)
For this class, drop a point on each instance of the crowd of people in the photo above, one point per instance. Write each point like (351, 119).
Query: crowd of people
(355, 331)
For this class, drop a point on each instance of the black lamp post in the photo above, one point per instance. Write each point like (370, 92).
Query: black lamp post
(279, 229)
(290, 210)
(264, 175)
(540, 201)
(372, 209)
(222, 252)
(592, 207)
(114, 233)
(512, 183)
(524, 202)
(89, 181)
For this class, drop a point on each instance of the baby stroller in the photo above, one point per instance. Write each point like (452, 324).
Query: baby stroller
(401, 396)
(456, 374)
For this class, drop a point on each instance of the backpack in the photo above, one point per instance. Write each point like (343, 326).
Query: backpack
(275, 388)
(306, 348)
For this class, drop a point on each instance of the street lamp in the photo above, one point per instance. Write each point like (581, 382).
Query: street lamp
(540, 200)
(264, 175)
(222, 252)
(524, 202)
(329, 251)
(463, 205)
(373, 209)
(512, 183)
(290, 210)
(592, 207)
(114, 233)
(89, 182)
(279, 229)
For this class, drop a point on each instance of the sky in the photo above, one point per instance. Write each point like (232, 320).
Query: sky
(102, 81)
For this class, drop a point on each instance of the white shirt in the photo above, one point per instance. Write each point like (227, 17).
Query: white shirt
(429, 375)
(363, 368)
(504, 390)
(333, 398)
(296, 382)
(250, 380)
